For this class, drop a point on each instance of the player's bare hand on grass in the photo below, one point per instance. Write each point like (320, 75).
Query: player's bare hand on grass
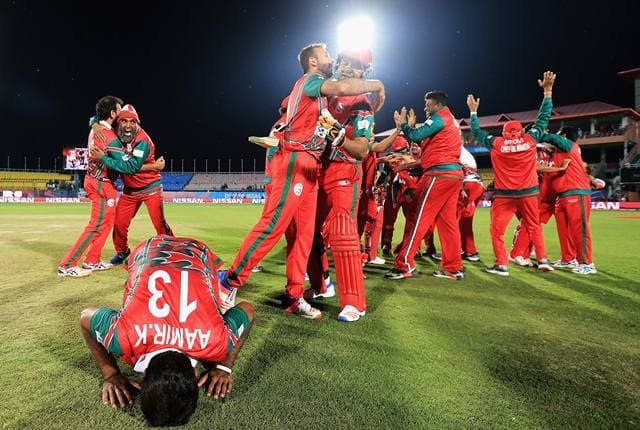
(95, 152)
(473, 103)
(217, 383)
(97, 132)
(116, 391)
(547, 81)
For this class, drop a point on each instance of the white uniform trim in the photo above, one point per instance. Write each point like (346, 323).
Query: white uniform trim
(415, 227)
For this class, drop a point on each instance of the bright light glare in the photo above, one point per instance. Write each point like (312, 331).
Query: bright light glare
(355, 34)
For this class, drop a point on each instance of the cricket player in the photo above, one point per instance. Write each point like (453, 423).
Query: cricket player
(513, 156)
(100, 188)
(472, 190)
(294, 175)
(339, 184)
(171, 318)
(390, 210)
(139, 188)
(574, 196)
(437, 190)
(522, 244)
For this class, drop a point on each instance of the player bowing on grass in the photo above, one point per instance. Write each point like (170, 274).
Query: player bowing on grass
(171, 316)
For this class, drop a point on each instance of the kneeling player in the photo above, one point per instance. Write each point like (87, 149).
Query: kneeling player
(172, 315)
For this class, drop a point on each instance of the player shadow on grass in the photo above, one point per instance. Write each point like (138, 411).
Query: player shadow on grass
(562, 380)
(556, 387)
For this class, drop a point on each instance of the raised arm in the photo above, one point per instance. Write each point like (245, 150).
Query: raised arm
(431, 126)
(479, 135)
(544, 114)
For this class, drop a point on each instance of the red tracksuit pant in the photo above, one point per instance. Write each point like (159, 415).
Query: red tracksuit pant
(127, 208)
(575, 210)
(466, 211)
(437, 203)
(522, 243)
(293, 193)
(502, 211)
(369, 221)
(390, 215)
(92, 239)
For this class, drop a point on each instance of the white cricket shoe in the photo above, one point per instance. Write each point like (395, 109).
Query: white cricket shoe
(544, 266)
(350, 314)
(302, 308)
(73, 272)
(521, 261)
(565, 265)
(102, 265)
(257, 268)
(585, 269)
(378, 261)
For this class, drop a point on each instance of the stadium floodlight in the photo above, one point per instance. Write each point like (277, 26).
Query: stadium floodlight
(355, 34)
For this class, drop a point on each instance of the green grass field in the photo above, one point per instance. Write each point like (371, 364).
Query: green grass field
(529, 351)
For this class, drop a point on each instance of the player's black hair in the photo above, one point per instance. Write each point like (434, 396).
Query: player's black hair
(105, 105)
(306, 53)
(570, 133)
(438, 96)
(169, 391)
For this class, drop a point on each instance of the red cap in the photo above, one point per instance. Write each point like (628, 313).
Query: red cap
(512, 129)
(365, 56)
(128, 111)
(400, 144)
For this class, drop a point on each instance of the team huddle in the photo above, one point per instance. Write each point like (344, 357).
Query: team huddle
(329, 187)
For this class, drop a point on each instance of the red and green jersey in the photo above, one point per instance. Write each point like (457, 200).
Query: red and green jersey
(170, 302)
(96, 168)
(304, 107)
(514, 160)
(129, 161)
(574, 180)
(356, 115)
(547, 193)
(440, 140)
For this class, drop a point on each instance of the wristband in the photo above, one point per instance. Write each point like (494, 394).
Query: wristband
(223, 368)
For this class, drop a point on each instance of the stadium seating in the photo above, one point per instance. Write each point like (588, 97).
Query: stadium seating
(175, 181)
(486, 175)
(11, 180)
(226, 181)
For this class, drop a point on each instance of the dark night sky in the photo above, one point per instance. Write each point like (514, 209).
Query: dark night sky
(204, 77)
